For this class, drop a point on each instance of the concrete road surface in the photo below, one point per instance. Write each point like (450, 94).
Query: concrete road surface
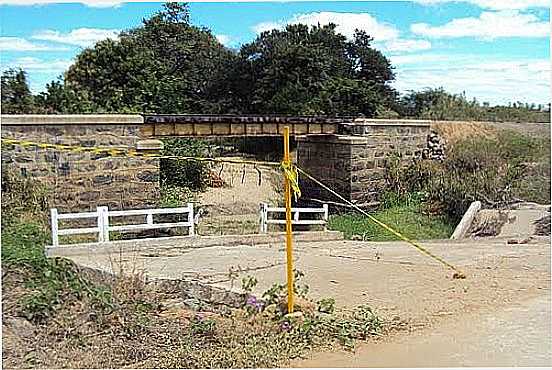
(498, 316)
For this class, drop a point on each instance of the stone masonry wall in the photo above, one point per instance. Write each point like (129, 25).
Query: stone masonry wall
(83, 181)
(354, 165)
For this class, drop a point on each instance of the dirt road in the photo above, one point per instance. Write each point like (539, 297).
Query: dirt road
(517, 335)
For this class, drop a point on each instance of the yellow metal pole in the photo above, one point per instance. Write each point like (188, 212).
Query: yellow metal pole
(289, 247)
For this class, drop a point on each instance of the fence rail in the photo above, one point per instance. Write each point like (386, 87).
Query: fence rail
(266, 213)
(103, 227)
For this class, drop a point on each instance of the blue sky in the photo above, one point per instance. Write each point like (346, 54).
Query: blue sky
(495, 50)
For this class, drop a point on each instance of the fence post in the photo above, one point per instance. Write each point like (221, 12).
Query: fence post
(54, 221)
(105, 223)
(191, 229)
(326, 217)
(262, 217)
(100, 224)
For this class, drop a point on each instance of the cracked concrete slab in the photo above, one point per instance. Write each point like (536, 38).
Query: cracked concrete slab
(392, 277)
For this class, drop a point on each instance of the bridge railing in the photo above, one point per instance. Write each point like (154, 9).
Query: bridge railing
(267, 216)
(103, 227)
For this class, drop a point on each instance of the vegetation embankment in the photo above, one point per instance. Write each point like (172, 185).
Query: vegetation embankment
(56, 315)
(427, 198)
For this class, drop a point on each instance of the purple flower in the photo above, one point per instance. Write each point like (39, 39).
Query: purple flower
(285, 326)
(251, 301)
(259, 305)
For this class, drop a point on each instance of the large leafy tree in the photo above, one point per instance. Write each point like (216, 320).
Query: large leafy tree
(165, 66)
(16, 95)
(302, 70)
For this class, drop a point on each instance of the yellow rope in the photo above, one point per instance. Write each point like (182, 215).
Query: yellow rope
(290, 171)
(115, 152)
(458, 273)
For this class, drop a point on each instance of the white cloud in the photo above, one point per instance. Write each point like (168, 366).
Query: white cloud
(407, 45)
(267, 26)
(495, 81)
(386, 36)
(90, 3)
(495, 4)
(346, 24)
(81, 37)
(489, 25)
(20, 44)
(39, 65)
(224, 39)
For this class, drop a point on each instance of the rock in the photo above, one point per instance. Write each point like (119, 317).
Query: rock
(519, 241)
(435, 148)
(271, 310)
(193, 303)
(20, 327)
(299, 304)
(172, 303)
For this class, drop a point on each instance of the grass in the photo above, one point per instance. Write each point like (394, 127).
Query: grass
(46, 283)
(82, 323)
(407, 218)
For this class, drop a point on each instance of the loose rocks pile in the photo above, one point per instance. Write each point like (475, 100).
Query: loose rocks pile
(435, 148)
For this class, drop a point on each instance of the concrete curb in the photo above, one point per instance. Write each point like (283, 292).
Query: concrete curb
(186, 242)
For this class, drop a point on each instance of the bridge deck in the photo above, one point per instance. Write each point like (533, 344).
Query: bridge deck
(200, 125)
(230, 125)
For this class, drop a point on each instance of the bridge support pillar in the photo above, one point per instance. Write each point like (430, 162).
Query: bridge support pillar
(354, 164)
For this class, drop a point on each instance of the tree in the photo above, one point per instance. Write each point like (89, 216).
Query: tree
(16, 95)
(59, 99)
(314, 70)
(164, 66)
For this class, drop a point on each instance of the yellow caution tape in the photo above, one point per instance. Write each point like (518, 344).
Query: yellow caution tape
(290, 172)
(132, 153)
(457, 274)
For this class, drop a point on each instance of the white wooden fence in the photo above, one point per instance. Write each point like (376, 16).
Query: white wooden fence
(103, 227)
(267, 216)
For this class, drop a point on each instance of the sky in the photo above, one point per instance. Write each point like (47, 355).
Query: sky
(497, 51)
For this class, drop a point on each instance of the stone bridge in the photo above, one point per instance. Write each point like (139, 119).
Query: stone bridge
(347, 154)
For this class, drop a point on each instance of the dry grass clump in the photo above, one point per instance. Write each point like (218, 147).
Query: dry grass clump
(137, 330)
(454, 132)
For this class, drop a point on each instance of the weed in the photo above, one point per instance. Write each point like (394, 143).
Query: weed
(326, 305)
(274, 293)
(248, 283)
(202, 326)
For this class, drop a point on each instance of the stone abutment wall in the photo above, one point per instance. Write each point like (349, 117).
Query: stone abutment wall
(354, 164)
(82, 181)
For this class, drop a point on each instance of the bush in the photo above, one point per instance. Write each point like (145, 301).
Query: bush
(496, 171)
(184, 173)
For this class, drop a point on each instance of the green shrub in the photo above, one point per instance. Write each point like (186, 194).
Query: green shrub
(184, 173)
(175, 196)
(496, 171)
